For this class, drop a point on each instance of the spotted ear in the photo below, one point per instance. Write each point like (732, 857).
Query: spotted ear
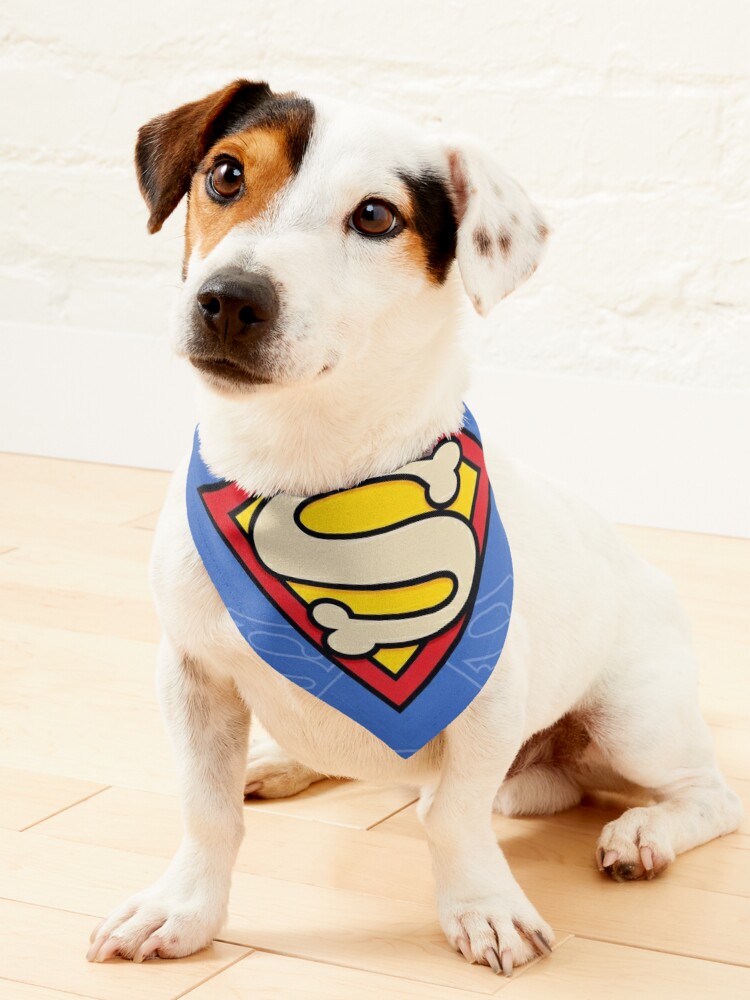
(501, 234)
(170, 147)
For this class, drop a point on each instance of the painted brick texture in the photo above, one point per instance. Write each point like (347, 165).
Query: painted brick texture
(628, 122)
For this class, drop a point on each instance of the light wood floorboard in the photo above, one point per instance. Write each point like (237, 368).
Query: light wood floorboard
(333, 892)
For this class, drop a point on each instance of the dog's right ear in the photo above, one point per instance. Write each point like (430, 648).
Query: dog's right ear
(170, 147)
(501, 234)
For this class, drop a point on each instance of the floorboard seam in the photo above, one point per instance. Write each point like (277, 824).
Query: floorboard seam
(219, 972)
(71, 805)
(395, 812)
(664, 951)
(358, 968)
(54, 989)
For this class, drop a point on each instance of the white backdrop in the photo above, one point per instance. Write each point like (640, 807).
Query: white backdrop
(623, 367)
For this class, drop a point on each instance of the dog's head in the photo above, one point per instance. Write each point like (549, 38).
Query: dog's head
(312, 225)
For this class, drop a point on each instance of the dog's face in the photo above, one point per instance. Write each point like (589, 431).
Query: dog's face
(319, 232)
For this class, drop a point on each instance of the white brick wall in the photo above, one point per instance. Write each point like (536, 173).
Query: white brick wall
(628, 121)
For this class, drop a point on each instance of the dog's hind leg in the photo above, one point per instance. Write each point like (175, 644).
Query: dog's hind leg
(183, 910)
(272, 774)
(540, 790)
(542, 779)
(651, 732)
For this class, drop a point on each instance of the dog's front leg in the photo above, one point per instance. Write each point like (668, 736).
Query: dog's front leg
(183, 910)
(484, 912)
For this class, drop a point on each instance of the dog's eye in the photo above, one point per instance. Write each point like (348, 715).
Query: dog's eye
(224, 182)
(374, 217)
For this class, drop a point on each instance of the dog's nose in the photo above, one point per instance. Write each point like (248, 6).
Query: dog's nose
(234, 304)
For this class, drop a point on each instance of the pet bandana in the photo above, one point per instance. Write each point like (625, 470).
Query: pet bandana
(389, 601)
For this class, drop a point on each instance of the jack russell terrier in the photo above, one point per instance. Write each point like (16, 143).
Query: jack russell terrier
(332, 556)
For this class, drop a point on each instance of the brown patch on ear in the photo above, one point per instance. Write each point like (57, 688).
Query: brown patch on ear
(504, 241)
(263, 152)
(170, 147)
(482, 242)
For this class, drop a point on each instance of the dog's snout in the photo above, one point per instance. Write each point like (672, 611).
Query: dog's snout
(234, 304)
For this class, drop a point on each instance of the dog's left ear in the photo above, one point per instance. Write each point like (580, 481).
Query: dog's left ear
(501, 234)
(170, 147)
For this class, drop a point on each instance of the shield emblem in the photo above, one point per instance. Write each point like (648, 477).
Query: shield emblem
(403, 629)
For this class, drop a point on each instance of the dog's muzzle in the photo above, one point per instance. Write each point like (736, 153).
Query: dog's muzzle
(234, 315)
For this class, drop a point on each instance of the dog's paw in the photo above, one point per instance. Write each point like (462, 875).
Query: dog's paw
(634, 846)
(272, 774)
(154, 924)
(494, 932)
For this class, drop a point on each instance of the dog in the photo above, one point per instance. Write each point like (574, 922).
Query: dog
(326, 246)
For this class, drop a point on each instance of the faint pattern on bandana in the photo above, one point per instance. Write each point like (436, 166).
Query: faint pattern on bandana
(490, 617)
(305, 665)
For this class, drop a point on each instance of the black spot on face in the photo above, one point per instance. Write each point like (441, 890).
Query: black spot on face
(433, 219)
(482, 242)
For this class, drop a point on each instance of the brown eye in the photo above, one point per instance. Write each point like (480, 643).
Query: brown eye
(224, 182)
(374, 217)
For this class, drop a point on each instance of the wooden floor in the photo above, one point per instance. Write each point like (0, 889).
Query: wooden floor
(332, 895)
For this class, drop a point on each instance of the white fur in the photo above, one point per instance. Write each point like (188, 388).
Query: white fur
(594, 629)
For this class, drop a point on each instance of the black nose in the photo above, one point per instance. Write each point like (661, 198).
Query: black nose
(233, 304)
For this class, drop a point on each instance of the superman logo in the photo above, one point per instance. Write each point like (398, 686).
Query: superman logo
(380, 578)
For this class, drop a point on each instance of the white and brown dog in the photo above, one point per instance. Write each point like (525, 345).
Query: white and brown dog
(319, 307)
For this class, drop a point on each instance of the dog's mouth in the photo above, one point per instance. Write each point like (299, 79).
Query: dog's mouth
(228, 372)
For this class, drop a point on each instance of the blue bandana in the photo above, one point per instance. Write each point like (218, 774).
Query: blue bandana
(389, 601)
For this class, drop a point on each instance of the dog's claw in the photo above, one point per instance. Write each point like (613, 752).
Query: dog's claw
(609, 858)
(647, 860)
(95, 933)
(506, 963)
(600, 858)
(541, 943)
(493, 961)
(253, 786)
(149, 949)
(94, 949)
(107, 950)
(463, 947)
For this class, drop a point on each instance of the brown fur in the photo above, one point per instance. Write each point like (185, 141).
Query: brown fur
(459, 184)
(504, 241)
(170, 147)
(411, 248)
(482, 242)
(430, 234)
(263, 153)
(559, 746)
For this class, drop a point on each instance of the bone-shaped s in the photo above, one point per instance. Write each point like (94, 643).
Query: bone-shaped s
(441, 544)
